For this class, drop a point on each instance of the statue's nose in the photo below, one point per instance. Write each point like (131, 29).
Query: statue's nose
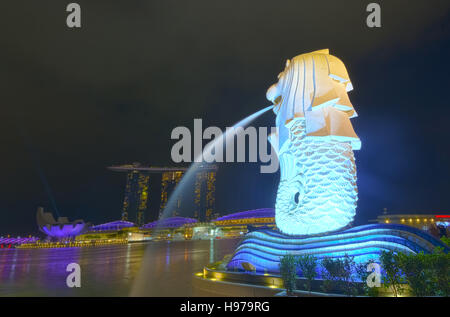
(272, 93)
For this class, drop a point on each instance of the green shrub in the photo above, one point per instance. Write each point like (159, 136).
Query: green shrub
(416, 273)
(307, 264)
(426, 274)
(338, 275)
(392, 277)
(288, 272)
(446, 240)
(440, 264)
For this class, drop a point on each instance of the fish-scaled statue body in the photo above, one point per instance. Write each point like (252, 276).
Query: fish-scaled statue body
(315, 140)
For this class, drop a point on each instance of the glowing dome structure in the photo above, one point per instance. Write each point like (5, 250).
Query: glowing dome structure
(60, 229)
(113, 226)
(263, 215)
(317, 192)
(172, 222)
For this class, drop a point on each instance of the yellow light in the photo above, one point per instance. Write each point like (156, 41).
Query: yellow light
(199, 274)
(272, 286)
(218, 275)
(213, 279)
(403, 220)
(410, 220)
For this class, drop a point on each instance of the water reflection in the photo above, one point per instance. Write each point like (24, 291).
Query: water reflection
(211, 250)
(168, 254)
(105, 271)
(110, 270)
(185, 259)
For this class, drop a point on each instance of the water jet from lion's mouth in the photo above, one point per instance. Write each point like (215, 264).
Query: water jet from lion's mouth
(198, 160)
(139, 288)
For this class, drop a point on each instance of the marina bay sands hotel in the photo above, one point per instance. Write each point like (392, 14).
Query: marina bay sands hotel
(137, 190)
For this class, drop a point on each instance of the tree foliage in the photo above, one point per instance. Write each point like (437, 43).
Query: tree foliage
(426, 274)
(446, 240)
(288, 272)
(338, 275)
(307, 264)
(392, 277)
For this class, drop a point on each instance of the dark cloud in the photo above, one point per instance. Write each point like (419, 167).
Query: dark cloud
(75, 101)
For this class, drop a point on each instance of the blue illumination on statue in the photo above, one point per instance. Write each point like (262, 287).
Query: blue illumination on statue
(315, 142)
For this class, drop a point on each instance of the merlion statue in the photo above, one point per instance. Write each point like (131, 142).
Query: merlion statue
(315, 140)
(317, 194)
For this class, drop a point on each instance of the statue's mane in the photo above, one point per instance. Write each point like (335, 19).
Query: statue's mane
(315, 80)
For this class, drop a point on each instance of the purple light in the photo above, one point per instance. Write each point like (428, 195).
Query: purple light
(173, 222)
(257, 213)
(18, 240)
(63, 230)
(113, 226)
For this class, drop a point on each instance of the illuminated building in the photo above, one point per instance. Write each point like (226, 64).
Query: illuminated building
(111, 232)
(204, 193)
(237, 224)
(137, 190)
(437, 225)
(8, 242)
(172, 222)
(136, 195)
(60, 229)
(137, 187)
(170, 179)
(70, 244)
(113, 226)
(143, 197)
(171, 228)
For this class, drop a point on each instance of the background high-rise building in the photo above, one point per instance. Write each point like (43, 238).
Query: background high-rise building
(136, 196)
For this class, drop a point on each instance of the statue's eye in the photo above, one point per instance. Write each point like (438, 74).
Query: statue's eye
(297, 198)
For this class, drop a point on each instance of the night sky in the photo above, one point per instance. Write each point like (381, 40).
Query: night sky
(75, 101)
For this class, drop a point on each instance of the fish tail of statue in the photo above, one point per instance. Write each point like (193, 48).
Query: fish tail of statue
(317, 191)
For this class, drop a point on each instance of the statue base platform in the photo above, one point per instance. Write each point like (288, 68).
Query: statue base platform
(263, 248)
